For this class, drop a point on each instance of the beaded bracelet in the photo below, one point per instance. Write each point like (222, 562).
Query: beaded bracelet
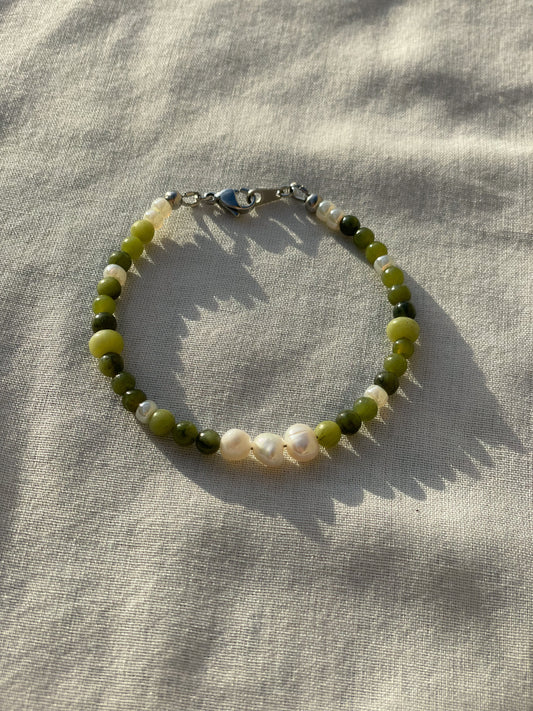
(300, 441)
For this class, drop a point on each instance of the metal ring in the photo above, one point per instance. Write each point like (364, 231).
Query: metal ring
(298, 192)
(191, 194)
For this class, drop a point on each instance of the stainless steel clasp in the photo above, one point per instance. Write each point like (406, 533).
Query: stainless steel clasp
(227, 199)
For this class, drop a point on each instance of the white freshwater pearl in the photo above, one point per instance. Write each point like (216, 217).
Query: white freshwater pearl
(333, 218)
(164, 207)
(268, 448)
(383, 262)
(377, 393)
(323, 208)
(117, 272)
(155, 217)
(145, 410)
(235, 444)
(301, 442)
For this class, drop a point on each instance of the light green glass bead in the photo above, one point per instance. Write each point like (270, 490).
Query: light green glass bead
(402, 327)
(328, 433)
(143, 230)
(104, 303)
(132, 246)
(105, 341)
(375, 250)
(161, 422)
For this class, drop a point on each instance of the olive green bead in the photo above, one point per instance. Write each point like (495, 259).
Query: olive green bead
(104, 303)
(104, 320)
(363, 237)
(122, 382)
(404, 347)
(349, 225)
(121, 258)
(132, 246)
(184, 433)
(109, 286)
(388, 381)
(328, 433)
(110, 364)
(133, 398)
(366, 408)
(349, 422)
(105, 341)
(400, 292)
(143, 230)
(403, 327)
(395, 363)
(375, 250)
(161, 422)
(207, 441)
(392, 276)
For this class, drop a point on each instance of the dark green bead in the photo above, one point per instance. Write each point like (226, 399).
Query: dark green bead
(109, 286)
(208, 441)
(349, 422)
(375, 250)
(132, 399)
(392, 276)
(110, 364)
(366, 408)
(388, 381)
(184, 433)
(398, 293)
(121, 258)
(122, 382)
(349, 225)
(404, 347)
(363, 237)
(104, 320)
(395, 363)
(404, 308)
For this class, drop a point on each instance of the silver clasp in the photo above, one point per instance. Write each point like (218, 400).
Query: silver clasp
(227, 199)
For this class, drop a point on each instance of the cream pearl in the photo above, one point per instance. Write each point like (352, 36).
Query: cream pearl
(268, 449)
(333, 218)
(145, 410)
(378, 394)
(117, 272)
(383, 262)
(163, 206)
(155, 217)
(323, 208)
(235, 444)
(301, 442)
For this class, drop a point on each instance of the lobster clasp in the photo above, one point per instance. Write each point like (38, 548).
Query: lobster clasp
(227, 199)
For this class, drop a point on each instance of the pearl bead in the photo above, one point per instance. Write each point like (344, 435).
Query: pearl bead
(116, 271)
(268, 449)
(145, 410)
(301, 442)
(378, 394)
(164, 207)
(312, 202)
(333, 218)
(155, 217)
(235, 444)
(323, 208)
(383, 262)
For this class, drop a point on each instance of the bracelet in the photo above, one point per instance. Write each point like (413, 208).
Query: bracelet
(300, 441)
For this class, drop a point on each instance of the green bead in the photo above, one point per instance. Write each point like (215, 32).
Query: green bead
(122, 382)
(184, 433)
(208, 441)
(105, 341)
(403, 327)
(104, 320)
(143, 230)
(363, 237)
(403, 346)
(349, 225)
(349, 422)
(104, 303)
(132, 399)
(375, 250)
(388, 381)
(328, 433)
(395, 363)
(132, 246)
(366, 408)
(109, 286)
(400, 292)
(161, 422)
(392, 276)
(110, 364)
(404, 308)
(121, 258)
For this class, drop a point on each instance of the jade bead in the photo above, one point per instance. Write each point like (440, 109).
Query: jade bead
(363, 237)
(184, 433)
(121, 258)
(104, 320)
(388, 381)
(328, 433)
(349, 422)
(105, 341)
(403, 327)
(132, 399)
(161, 422)
(375, 250)
(398, 293)
(132, 246)
(110, 364)
(392, 276)
(207, 441)
(349, 225)
(404, 347)
(143, 230)
(104, 303)
(109, 286)
(404, 308)
(395, 363)
(366, 408)
(122, 382)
